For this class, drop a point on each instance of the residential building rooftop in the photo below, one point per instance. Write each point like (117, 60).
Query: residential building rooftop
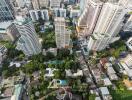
(104, 90)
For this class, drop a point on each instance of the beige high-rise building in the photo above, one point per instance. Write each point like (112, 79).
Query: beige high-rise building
(44, 3)
(35, 4)
(61, 34)
(55, 3)
(89, 17)
(40, 4)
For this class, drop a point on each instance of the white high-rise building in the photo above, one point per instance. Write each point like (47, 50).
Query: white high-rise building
(108, 26)
(61, 34)
(112, 22)
(36, 14)
(59, 12)
(28, 41)
(102, 20)
(55, 3)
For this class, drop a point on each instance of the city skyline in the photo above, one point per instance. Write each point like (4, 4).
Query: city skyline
(65, 49)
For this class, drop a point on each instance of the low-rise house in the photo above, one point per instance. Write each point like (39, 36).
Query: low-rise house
(36, 75)
(77, 74)
(112, 59)
(68, 73)
(126, 65)
(47, 25)
(86, 71)
(107, 82)
(97, 75)
(111, 73)
(103, 61)
(97, 98)
(49, 72)
(78, 53)
(105, 93)
(44, 52)
(100, 67)
(89, 80)
(16, 64)
(106, 65)
(110, 70)
(7, 92)
(53, 51)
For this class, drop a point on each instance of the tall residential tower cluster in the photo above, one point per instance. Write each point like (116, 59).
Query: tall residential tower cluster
(101, 21)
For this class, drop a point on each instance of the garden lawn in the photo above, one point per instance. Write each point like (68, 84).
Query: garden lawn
(121, 95)
(92, 97)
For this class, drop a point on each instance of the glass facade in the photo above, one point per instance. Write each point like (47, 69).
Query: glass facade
(6, 11)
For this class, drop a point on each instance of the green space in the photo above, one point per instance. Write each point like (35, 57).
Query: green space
(63, 60)
(92, 97)
(121, 92)
(41, 88)
(12, 54)
(115, 50)
(121, 95)
(5, 43)
(48, 37)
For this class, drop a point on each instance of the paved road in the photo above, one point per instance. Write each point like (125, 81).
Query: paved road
(89, 71)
